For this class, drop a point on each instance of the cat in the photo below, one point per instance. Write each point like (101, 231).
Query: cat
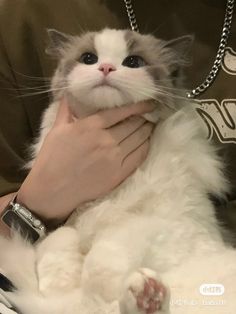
(149, 245)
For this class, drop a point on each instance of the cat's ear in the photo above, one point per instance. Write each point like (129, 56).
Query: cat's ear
(180, 55)
(181, 45)
(57, 41)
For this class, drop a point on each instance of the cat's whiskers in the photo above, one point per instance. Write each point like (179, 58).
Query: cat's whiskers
(39, 78)
(47, 91)
(22, 88)
(160, 90)
(25, 88)
(176, 90)
(146, 91)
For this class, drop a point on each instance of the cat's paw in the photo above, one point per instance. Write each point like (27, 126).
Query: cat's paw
(59, 262)
(145, 293)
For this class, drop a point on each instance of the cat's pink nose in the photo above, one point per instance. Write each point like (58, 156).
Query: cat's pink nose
(106, 68)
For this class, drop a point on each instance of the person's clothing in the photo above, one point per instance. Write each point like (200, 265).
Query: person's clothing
(5, 306)
(24, 64)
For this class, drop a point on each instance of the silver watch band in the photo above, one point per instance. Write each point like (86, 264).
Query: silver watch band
(19, 217)
(26, 214)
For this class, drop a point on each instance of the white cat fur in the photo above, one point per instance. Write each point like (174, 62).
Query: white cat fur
(160, 219)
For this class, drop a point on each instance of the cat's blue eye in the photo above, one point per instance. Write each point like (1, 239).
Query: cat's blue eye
(88, 58)
(133, 62)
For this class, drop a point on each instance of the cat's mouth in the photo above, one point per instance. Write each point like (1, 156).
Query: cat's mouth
(105, 84)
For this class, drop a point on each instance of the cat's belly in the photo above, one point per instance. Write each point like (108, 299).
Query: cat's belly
(162, 241)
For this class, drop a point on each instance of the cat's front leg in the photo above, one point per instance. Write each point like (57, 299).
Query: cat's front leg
(105, 269)
(59, 262)
(106, 274)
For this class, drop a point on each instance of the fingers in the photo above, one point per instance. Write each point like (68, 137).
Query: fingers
(107, 118)
(64, 114)
(136, 139)
(134, 160)
(123, 129)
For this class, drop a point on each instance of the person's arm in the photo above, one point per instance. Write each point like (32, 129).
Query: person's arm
(83, 159)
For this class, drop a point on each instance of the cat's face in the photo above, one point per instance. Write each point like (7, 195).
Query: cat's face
(114, 67)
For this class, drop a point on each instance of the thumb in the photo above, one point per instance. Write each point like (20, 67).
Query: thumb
(64, 114)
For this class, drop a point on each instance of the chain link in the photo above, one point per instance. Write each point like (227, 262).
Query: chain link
(220, 52)
(131, 15)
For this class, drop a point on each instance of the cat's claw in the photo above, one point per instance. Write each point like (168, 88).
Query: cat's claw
(145, 294)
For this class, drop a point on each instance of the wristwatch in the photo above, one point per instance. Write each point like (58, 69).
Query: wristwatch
(21, 219)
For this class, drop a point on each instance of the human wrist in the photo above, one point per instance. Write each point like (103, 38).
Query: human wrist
(42, 206)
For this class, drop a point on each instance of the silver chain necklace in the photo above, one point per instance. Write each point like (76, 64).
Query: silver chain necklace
(220, 52)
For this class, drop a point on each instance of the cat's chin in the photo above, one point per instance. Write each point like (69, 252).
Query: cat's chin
(100, 97)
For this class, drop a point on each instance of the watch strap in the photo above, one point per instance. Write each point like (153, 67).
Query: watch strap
(20, 218)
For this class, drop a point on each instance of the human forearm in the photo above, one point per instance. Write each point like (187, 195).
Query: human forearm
(83, 159)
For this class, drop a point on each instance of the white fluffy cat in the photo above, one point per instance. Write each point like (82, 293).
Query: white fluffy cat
(150, 244)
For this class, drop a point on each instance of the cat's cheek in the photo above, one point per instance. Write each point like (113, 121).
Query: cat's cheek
(82, 78)
(138, 84)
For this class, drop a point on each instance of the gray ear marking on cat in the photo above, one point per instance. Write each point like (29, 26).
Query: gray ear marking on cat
(182, 47)
(179, 57)
(181, 42)
(57, 40)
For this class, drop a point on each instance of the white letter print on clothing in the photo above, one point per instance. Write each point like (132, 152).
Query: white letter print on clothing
(220, 118)
(229, 61)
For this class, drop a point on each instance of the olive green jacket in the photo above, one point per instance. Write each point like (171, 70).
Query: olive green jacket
(24, 65)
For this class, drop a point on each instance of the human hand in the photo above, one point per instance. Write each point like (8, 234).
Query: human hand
(83, 159)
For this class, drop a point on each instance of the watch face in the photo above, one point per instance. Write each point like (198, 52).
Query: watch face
(11, 219)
